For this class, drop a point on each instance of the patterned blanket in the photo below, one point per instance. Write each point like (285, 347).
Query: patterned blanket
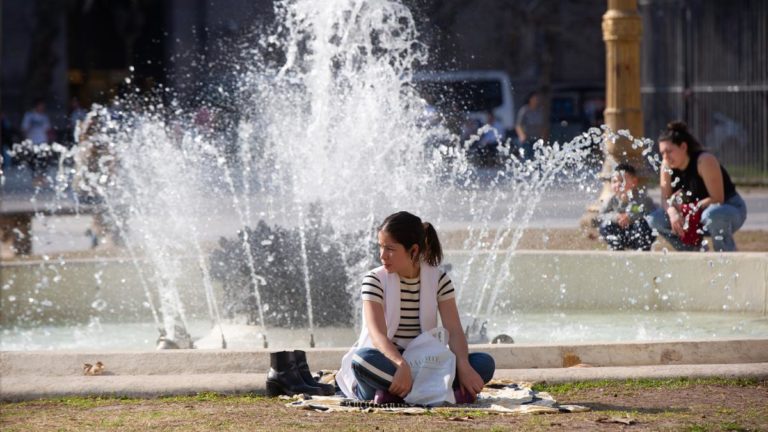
(496, 397)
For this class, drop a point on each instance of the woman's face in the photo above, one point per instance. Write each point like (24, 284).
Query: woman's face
(675, 156)
(394, 256)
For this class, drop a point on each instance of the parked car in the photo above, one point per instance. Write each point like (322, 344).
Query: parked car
(574, 109)
(467, 100)
(474, 92)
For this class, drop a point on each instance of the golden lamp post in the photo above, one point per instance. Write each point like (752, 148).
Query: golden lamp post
(622, 31)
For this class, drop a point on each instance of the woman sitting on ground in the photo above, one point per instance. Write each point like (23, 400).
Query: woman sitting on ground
(410, 283)
(697, 195)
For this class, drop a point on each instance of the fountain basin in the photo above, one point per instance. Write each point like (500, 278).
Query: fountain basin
(551, 296)
(626, 281)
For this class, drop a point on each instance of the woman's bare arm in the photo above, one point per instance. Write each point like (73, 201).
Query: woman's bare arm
(665, 182)
(373, 314)
(469, 379)
(709, 170)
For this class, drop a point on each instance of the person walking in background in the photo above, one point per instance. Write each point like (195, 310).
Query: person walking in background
(486, 148)
(36, 125)
(36, 128)
(622, 217)
(76, 115)
(697, 195)
(529, 124)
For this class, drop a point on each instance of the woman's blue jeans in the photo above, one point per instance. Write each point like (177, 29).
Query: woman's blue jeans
(719, 221)
(374, 371)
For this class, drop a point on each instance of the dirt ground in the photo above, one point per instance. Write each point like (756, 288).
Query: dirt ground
(577, 239)
(705, 405)
(532, 239)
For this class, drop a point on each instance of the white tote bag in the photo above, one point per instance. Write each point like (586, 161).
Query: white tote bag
(433, 367)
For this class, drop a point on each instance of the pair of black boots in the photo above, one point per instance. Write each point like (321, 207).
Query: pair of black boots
(289, 375)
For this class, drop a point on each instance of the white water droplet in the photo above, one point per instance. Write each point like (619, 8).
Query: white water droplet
(99, 304)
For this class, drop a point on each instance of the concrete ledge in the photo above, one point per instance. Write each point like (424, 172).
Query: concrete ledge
(32, 375)
(607, 280)
(628, 353)
(518, 356)
(561, 375)
(19, 388)
(141, 386)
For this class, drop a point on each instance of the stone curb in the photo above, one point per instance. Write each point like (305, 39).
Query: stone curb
(19, 388)
(515, 356)
(572, 374)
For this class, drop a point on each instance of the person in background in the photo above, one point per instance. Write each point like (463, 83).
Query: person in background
(76, 115)
(622, 217)
(36, 128)
(698, 197)
(530, 124)
(486, 147)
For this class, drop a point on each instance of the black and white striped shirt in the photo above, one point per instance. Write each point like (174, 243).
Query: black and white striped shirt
(409, 327)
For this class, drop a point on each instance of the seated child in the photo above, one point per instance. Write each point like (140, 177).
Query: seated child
(622, 217)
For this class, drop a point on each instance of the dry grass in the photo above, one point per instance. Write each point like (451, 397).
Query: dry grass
(705, 405)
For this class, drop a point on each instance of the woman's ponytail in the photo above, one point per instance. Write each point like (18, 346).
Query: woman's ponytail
(433, 252)
(408, 230)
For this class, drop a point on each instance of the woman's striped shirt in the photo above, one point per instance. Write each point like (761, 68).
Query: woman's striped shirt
(410, 326)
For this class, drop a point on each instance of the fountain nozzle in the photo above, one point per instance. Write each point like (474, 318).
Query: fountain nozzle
(311, 340)
(264, 338)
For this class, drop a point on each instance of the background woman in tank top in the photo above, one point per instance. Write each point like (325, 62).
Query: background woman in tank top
(693, 181)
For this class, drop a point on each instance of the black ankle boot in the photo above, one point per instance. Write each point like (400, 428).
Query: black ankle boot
(283, 377)
(306, 375)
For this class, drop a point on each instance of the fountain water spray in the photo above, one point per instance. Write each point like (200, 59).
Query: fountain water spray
(326, 114)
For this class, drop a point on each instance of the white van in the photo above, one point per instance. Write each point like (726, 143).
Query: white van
(472, 92)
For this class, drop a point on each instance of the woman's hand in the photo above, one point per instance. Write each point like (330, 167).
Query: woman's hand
(469, 380)
(402, 381)
(675, 221)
